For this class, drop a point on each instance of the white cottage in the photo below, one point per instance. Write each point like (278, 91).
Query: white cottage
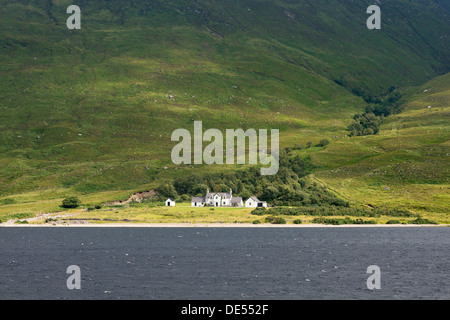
(198, 202)
(170, 203)
(237, 202)
(253, 202)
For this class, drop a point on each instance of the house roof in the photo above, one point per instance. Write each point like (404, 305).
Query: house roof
(236, 199)
(254, 199)
(198, 199)
(223, 195)
(170, 199)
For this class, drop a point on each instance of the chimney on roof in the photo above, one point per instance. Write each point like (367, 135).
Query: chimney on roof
(231, 191)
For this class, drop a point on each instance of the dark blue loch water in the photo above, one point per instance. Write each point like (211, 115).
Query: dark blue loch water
(225, 263)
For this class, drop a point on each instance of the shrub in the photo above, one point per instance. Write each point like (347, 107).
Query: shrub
(422, 221)
(7, 201)
(259, 211)
(21, 222)
(71, 202)
(392, 212)
(393, 222)
(333, 221)
(19, 216)
(275, 220)
(297, 221)
(256, 222)
(339, 221)
(98, 206)
(323, 143)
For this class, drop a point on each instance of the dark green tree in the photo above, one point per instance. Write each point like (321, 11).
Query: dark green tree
(270, 193)
(71, 202)
(167, 190)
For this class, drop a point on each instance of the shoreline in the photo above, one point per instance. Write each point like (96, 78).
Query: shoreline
(215, 225)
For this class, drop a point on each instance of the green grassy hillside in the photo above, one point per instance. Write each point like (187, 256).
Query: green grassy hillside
(88, 111)
(406, 165)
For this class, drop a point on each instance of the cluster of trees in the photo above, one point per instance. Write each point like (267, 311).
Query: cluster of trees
(378, 108)
(368, 123)
(391, 105)
(390, 97)
(288, 187)
(365, 124)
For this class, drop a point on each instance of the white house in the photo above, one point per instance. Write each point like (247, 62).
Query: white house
(170, 203)
(237, 202)
(198, 202)
(253, 202)
(217, 199)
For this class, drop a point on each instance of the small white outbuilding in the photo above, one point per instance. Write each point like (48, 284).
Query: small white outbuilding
(253, 202)
(170, 203)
